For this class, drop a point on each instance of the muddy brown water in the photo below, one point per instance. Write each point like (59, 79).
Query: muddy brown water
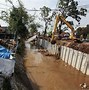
(48, 73)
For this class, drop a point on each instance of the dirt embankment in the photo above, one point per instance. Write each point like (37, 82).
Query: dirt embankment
(77, 45)
(83, 47)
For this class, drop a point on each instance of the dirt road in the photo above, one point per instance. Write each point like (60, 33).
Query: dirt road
(47, 73)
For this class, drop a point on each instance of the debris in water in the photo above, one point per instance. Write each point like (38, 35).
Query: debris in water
(65, 65)
(42, 50)
(84, 85)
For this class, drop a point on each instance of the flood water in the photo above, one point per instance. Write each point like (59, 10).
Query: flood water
(48, 73)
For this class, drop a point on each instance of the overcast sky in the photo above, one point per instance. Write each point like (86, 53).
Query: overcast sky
(31, 4)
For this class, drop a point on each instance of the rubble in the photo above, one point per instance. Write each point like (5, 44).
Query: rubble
(84, 86)
(83, 47)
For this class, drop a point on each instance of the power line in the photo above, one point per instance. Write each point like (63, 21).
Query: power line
(84, 6)
(40, 10)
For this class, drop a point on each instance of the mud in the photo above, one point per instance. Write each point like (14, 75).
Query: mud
(48, 73)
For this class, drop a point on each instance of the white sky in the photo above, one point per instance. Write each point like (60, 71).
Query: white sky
(31, 4)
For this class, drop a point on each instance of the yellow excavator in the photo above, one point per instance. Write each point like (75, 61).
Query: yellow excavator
(61, 18)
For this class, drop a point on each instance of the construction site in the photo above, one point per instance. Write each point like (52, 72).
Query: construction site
(42, 48)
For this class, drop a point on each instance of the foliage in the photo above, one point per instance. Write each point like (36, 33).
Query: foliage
(45, 12)
(4, 16)
(33, 27)
(49, 33)
(84, 31)
(47, 18)
(21, 48)
(17, 20)
(69, 8)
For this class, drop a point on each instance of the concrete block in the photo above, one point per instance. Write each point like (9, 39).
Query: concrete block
(87, 70)
(57, 51)
(40, 42)
(70, 56)
(44, 43)
(53, 49)
(67, 54)
(79, 60)
(64, 53)
(49, 47)
(74, 59)
(47, 43)
(84, 63)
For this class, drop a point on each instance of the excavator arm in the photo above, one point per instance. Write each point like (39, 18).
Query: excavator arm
(61, 18)
(72, 36)
(55, 27)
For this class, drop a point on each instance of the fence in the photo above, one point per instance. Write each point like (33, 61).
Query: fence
(76, 59)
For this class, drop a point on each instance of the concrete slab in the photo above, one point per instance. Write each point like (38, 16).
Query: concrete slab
(79, 60)
(75, 56)
(70, 56)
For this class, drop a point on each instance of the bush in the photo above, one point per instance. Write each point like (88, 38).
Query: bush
(21, 48)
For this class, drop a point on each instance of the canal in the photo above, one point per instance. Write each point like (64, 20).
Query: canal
(49, 73)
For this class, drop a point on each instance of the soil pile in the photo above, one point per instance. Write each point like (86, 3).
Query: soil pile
(83, 47)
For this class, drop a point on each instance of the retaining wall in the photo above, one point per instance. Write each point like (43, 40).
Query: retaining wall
(76, 59)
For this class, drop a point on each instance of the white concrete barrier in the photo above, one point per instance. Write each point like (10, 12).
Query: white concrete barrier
(44, 43)
(57, 51)
(84, 63)
(31, 38)
(74, 59)
(61, 54)
(53, 49)
(47, 43)
(65, 50)
(67, 54)
(40, 42)
(79, 60)
(49, 48)
(70, 56)
(87, 70)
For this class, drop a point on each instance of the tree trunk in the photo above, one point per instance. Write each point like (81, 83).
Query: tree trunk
(45, 32)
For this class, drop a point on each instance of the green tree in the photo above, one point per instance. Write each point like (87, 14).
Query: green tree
(17, 20)
(69, 8)
(84, 31)
(33, 27)
(46, 17)
(79, 32)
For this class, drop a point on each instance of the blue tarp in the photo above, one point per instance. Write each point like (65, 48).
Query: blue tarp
(4, 53)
